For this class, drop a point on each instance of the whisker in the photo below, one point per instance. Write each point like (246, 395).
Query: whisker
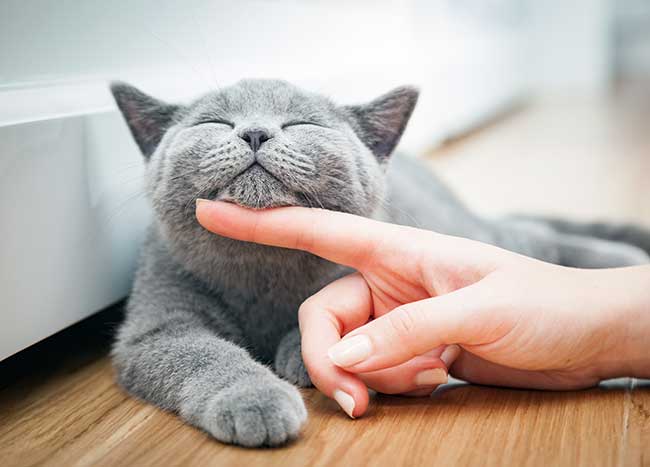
(383, 201)
(387, 204)
(107, 221)
(200, 191)
(123, 204)
(313, 193)
(184, 174)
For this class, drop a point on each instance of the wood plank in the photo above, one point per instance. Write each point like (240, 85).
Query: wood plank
(637, 436)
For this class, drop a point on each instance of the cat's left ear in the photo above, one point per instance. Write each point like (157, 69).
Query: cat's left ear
(147, 117)
(381, 122)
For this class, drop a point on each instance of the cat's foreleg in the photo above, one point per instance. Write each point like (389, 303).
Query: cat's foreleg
(171, 358)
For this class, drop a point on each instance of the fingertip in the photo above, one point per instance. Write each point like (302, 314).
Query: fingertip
(431, 377)
(352, 397)
(204, 212)
(346, 389)
(362, 400)
(449, 355)
(224, 218)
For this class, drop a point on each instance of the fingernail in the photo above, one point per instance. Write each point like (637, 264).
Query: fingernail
(350, 351)
(450, 354)
(431, 377)
(200, 200)
(345, 400)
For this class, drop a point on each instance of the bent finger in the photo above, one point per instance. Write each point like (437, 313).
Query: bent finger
(418, 376)
(343, 305)
(415, 328)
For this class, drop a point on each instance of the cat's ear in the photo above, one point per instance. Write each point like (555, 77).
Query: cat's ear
(381, 122)
(147, 117)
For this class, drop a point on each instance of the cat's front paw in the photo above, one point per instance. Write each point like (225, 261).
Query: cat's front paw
(256, 412)
(288, 361)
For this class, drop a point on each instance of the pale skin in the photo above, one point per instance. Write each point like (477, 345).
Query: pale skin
(422, 304)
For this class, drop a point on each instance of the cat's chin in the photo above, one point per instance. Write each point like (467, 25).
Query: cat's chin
(256, 204)
(257, 188)
(260, 202)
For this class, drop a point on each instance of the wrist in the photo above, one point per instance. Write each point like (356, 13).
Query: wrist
(624, 306)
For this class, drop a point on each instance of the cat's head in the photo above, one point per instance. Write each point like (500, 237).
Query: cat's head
(265, 143)
(259, 143)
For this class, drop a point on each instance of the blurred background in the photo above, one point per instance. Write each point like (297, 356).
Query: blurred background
(526, 106)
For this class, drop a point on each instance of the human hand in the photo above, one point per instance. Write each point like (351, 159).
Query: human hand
(519, 322)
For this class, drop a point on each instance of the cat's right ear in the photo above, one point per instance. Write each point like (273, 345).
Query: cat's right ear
(147, 117)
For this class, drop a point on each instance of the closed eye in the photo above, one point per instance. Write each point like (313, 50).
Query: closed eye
(301, 122)
(217, 122)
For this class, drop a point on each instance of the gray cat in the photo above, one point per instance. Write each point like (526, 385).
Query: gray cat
(208, 315)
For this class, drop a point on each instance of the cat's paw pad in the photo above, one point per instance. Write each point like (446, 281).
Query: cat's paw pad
(289, 364)
(255, 413)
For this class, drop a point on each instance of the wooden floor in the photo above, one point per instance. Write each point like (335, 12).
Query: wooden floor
(59, 404)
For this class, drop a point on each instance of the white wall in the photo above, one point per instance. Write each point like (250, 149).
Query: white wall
(570, 45)
(352, 50)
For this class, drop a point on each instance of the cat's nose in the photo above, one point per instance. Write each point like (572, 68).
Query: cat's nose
(255, 138)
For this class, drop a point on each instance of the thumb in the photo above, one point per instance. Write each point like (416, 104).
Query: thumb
(415, 328)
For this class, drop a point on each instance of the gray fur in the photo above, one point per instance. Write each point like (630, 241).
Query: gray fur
(288, 360)
(624, 233)
(208, 315)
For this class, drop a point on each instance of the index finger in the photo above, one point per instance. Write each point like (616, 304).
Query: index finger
(339, 237)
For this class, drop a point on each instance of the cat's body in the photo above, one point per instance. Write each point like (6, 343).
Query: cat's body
(206, 312)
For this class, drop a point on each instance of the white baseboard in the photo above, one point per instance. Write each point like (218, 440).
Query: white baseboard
(70, 230)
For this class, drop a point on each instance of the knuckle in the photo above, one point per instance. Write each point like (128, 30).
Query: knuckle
(403, 324)
(306, 308)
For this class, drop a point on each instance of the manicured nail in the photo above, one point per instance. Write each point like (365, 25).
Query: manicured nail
(345, 400)
(200, 200)
(350, 351)
(450, 354)
(432, 377)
